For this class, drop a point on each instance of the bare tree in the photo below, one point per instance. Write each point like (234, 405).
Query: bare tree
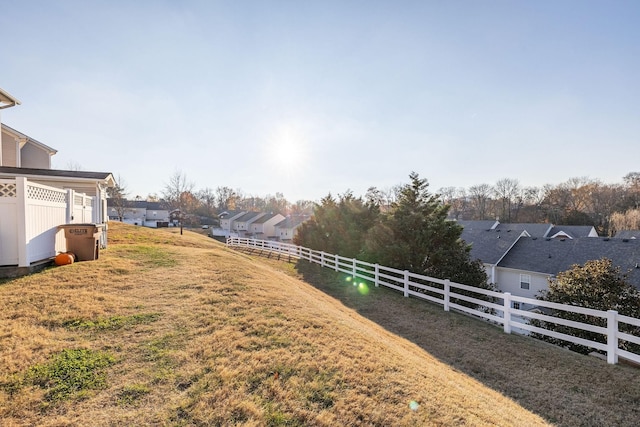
(207, 198)
(173, 190)
(506, 190)
(456, 199)
(118, 197)
(632, 185)
(479, 198)
(72, 165)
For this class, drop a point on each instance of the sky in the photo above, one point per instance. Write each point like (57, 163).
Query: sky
(307, 98)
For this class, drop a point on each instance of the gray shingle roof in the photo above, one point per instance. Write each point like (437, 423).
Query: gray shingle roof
(489, 245)
(265, 218)
(139, 204)
(292, 222)
(628, 234)
(478, 225)
(56, 173)
(229, 214)
(552, 256)
(534, 230)
(573, 231)
(248, 216)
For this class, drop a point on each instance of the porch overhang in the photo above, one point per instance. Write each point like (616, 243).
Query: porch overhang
(7, 100)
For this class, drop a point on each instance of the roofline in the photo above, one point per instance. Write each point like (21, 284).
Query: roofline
(526, 271)
(59, 175)
(9, 99)
(523, 234)
(19, 134)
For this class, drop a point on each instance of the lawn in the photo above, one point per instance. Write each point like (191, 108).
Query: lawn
(170, 329)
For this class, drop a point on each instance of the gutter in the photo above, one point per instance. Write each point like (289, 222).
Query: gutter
(7, 98)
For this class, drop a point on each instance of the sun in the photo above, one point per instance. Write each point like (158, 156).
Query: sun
(287, 150)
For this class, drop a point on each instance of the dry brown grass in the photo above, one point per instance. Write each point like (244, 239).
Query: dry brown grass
(203, 335)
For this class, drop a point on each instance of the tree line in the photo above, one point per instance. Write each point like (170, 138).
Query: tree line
(577, 201)
(413, 233)
(180, 193)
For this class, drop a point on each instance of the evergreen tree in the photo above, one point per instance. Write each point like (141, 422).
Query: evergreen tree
(339, 226)
(417, 236)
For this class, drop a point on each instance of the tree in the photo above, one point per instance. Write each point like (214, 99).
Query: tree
(226, 198)
(207, 200)
(456, 198)
(339, 226)
(629, 220)
(118, 197)
(417, 236)
(174, 189)
(480, 197)
(596, 284)
(507, 190)
(632, 185)
(302, 207)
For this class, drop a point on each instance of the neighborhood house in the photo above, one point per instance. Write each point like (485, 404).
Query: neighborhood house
(137, 212)
(35, 200)
(522, 258)
(258, 225)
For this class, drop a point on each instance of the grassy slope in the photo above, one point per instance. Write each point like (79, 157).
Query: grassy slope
(202, 335)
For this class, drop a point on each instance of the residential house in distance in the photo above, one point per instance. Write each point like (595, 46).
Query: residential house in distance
(490, 246)
(264, 228)
(526, 268)
(257, 225)
(627, 234)
(139, 212)
(492, 243)
(287, 228)
(241, 224)
(226, 224)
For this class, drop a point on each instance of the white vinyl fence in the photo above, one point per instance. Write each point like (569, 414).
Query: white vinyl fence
(447, 294)
(30, 214)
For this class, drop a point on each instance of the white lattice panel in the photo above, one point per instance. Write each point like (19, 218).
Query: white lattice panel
(8, 190)
(46, 195)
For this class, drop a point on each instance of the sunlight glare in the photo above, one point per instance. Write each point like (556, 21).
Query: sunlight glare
(287, 149)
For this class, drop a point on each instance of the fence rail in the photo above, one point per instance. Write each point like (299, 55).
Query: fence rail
(448, 294)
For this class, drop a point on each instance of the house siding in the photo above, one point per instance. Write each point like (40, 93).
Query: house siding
(508, 280)
(34, 157)
(9, 152)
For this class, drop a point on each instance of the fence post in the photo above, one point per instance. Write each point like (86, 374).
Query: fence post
(322, 259)
(353, 269)
(71, 202)
(447, 292)
(22, 196)
(506, 316)
(612, 337)
(336, 262)
(406, 283)
(377, 274)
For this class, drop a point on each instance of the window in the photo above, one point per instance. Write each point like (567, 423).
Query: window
(516, 305)
(525, 281)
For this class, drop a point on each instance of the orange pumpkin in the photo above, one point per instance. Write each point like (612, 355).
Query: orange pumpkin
(64, 259)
